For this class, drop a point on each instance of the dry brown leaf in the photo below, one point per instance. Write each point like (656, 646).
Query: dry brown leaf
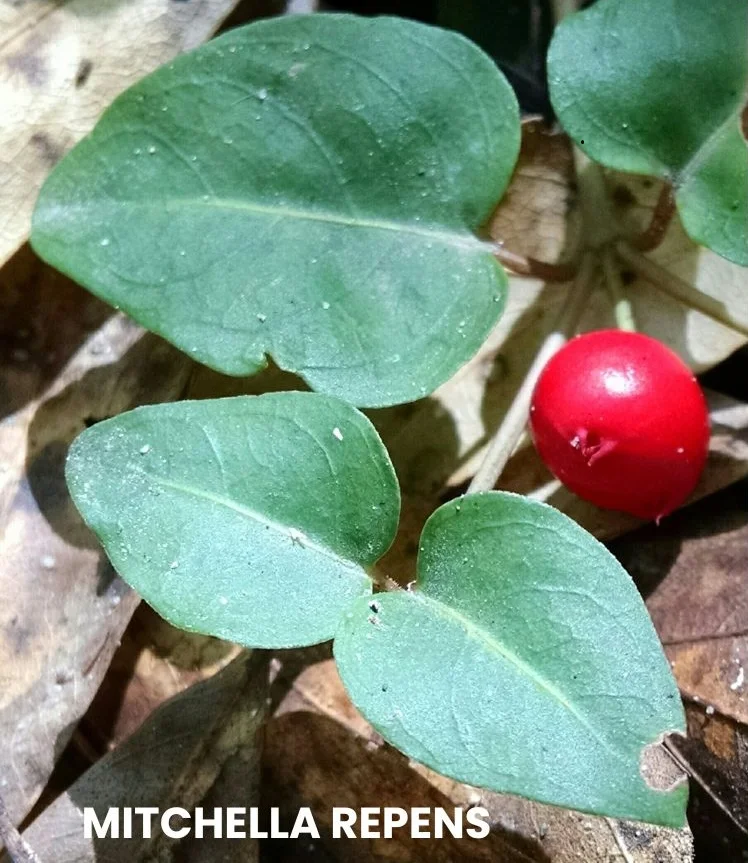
(312, 760)
(695, 571)
(154, 662)
(62, 611)
(61, 64)
(199, 749)
(717, 751)
(309, 758)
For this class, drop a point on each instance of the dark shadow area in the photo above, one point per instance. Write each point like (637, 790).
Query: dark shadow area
(648, 554)
(730, 376)
(151, 371)
(514, 32)
(717, 837)
(44, 319)
(247, 11)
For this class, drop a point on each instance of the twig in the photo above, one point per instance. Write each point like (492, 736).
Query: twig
(663, 213)
(622, 307)
(17, 847)
(686, 766)
(526, 266)
(620, 841)
(515, 420)
(677, 288)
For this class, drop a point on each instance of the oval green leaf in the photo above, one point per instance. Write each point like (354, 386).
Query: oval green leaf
(523, 661)
(251, 518)
(658, 88)
(305, 188)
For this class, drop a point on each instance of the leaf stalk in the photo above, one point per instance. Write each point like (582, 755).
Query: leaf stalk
(523, 265)
(662, 215)
(677, 288)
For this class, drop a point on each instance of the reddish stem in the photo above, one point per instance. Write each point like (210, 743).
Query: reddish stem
(526, 266)
(654, 234)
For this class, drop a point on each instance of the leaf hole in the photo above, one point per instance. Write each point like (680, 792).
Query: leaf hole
(658, 768)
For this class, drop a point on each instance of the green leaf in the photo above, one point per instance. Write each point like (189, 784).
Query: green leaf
(251, 518)
(307, 188)
(658, 88)
(524, 661)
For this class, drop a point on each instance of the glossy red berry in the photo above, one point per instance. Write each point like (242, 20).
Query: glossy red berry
(621, 421)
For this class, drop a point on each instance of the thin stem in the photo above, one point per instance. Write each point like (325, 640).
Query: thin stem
(598, 218)
(678, 289)
(509, 432)
(620, 841)
(17, 847)
(526, 266)
(662, 215)
(622, 308)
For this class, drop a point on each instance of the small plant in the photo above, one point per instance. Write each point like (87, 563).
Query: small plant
(315, 189)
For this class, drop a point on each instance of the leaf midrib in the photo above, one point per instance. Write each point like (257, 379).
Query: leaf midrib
(452, 238)
(253, 515)
(495, 646)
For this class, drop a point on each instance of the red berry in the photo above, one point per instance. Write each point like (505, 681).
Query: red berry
(621, 421)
